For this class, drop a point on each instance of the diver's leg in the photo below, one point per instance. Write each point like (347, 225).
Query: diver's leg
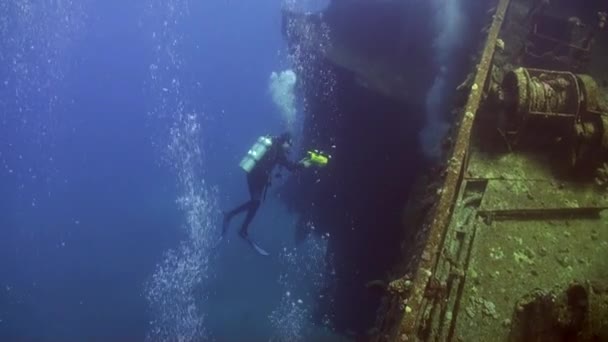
(250, 215)
(229, 215)
(256, 187)
(243, 207)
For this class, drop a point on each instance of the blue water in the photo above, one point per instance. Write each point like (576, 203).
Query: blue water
(91, 181)
(122, 124)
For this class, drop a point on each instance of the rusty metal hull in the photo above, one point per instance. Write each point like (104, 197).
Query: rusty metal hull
(507, 224)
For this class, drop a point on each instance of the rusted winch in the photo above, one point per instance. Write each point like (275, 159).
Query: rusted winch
(562, 105)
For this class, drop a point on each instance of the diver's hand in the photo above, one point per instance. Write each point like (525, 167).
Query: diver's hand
(305, 162)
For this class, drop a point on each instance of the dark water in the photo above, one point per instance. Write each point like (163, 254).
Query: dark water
(121, 128)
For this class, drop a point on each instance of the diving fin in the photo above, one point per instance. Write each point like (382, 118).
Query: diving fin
(257, 248)
(254, 245)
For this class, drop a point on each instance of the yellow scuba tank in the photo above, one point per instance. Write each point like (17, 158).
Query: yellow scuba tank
(255, 153)
(318, 158)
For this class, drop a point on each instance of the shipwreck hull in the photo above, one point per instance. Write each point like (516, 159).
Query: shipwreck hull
(518, 231)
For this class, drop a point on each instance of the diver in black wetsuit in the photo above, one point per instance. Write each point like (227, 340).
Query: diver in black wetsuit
(259, 163)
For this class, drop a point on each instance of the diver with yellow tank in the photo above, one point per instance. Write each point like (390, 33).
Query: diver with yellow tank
(258, 163)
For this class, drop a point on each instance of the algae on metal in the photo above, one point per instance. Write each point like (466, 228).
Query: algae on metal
(525, 224)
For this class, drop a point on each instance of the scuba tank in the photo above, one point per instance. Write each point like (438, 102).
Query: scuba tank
(255, 153)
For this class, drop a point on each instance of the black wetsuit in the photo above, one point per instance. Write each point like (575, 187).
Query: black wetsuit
(258, 180)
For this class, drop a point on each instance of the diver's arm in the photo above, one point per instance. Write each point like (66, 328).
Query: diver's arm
(292, 166)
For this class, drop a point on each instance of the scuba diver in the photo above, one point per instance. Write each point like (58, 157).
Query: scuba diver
(259, 162)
